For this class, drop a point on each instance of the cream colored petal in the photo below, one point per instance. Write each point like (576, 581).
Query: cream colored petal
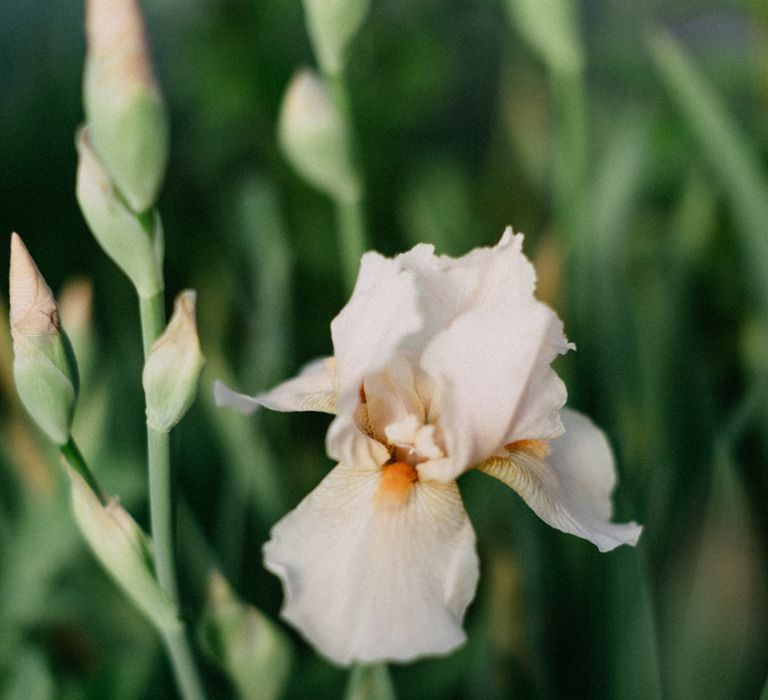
(570, 489)
(538, 413)
(348, 439)
(313, 389)
(391, 395)
(370, 328)
(484, 363)
(450, 287)
(369, 578)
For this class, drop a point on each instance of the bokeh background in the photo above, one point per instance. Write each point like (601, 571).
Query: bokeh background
(630, 147)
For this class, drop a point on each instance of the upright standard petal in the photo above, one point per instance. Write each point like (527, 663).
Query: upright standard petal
(370, 329)
(449, 287)
(376, 565)
(313, 389)
(485, 362)
(488, 346)
(570, 487)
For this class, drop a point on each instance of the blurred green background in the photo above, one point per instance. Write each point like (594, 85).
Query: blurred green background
(630, 145)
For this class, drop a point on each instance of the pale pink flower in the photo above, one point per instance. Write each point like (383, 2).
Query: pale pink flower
(441, 365)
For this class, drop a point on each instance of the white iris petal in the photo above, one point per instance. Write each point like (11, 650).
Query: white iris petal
(366, 580)
(570, 488)
(313, 389)
(440, 365)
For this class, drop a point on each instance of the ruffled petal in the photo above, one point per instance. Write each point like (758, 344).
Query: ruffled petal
(313, 389)
(449, 287)
(372, 574)
(485, 362)
(570, 488)
(370, 328)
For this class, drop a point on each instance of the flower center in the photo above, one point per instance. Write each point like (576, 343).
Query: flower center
(395, 483)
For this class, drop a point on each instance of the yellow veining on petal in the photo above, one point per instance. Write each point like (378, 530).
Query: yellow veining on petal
(537, 448)
(395, 484)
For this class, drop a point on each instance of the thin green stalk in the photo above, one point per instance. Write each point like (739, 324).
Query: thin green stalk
(161, 516)
(75, 459)
(349, 212)
(369, 682)
(183, 663)
(158, 453)
(160, 510)
(152, 320)
(351, 231)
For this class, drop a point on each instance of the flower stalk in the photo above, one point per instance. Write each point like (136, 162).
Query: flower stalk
(316, 125)
(123, 153)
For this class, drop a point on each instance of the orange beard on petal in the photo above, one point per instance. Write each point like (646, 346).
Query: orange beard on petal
(537, 448)
(395, 484)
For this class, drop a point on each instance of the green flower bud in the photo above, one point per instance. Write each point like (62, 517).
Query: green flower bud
(136, 252)
(44, 367)
(124, 550)
(123, 105)
(332, 25)
(252, 650)
(315, 137)
(173, 367)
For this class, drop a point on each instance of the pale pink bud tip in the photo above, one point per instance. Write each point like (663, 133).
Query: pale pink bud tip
(116, 35)
(33, 307)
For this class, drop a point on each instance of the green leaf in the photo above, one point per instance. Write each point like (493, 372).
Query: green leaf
(730, 154)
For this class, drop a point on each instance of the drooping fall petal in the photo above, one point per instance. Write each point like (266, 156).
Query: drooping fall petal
(570, 488)
(376, 567)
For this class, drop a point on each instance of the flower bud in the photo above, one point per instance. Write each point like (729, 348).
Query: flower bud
(123, 105)
(124, 550)
(117, 229)
(332, 25)
(253, 651)
(44, 366)
(315, 137)
(173, 367)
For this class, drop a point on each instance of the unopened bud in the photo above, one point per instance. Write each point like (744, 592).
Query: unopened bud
(123, 104)
(117, 229)
(44, 367)
(173, 367)
(315, 137)
(124, 550)
(253, 650)
(332, 25)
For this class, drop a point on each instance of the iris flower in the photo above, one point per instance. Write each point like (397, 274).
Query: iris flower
(441, 365)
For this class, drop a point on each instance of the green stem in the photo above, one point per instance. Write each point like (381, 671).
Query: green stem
(152, 312)
(75, 459)
(351, 231)
(349, 211)
(161, 512)
(183, 664)
(158, 454)
(161, 515)
(370, 681)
